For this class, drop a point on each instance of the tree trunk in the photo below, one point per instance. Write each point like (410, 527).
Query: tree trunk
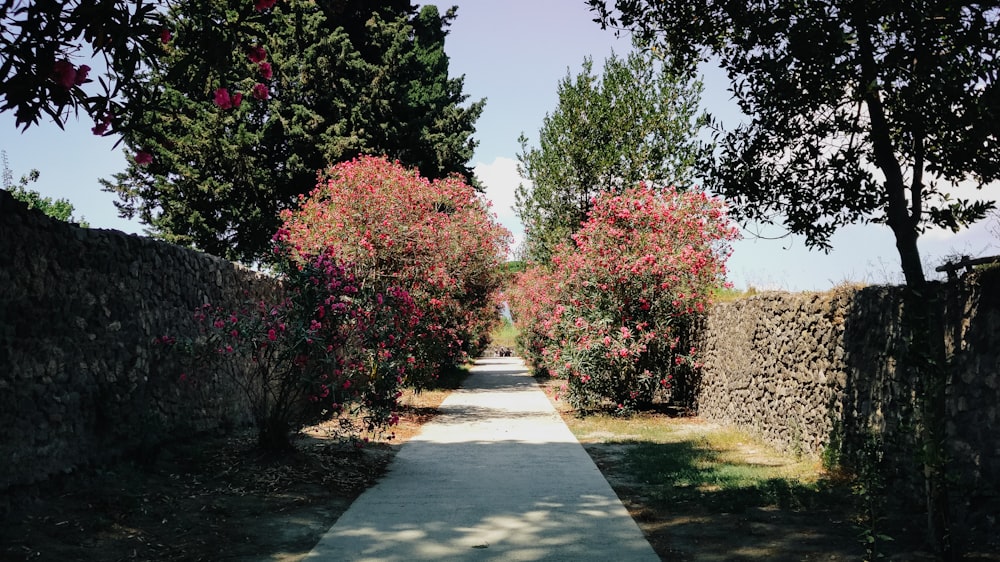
(273, 437)
(925, 353)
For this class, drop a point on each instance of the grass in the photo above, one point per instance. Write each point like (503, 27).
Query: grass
(504, 335)
(721, 294)
(723, 470)
(700, 491)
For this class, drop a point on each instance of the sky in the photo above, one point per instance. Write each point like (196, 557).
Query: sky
(513, 53)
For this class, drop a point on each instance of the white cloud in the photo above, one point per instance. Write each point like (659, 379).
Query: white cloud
(500, 180)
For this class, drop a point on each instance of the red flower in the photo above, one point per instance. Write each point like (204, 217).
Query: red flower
(225, 101)
(262, 5)
(166, 36)
(256, 54)
(64, 74)
(260, 91)
(143, 158)
(265, 70)
(102, 126)
(81, 74)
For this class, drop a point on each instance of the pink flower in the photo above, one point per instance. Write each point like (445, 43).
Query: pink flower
(256, 54)
(166, 36)
(260, 91)
(261, 5)
(143, 158)
(222, 99)
(272, 335)
(81, 74)
(64, 74)
(102, 126)
(265, 70)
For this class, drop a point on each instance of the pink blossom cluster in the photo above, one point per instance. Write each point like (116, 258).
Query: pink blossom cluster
(612, 313)
(435, 239)
(257, 55)
(67, 75)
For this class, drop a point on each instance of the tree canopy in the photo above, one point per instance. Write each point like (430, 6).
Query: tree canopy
(637, 121)
(45, 48)
(341, 78)
(859, 111)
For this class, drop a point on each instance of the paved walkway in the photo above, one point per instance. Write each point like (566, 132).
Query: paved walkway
(497, 476)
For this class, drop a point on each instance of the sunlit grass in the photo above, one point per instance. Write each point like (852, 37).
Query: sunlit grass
(504, 335)
(687, 461)
(722, 294)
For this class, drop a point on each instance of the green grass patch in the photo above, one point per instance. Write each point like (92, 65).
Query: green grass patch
(504, 335)
(681, 462)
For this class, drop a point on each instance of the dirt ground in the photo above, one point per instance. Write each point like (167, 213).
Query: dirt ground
(217, 500)
(214, 499)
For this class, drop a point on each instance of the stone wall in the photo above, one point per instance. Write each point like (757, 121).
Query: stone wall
(81, 379)
(808, 371)
(773, 364)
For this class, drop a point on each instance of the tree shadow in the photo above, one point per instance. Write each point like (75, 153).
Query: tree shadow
(695, 507)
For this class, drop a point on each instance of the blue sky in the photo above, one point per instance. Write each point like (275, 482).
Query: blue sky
(513, 53)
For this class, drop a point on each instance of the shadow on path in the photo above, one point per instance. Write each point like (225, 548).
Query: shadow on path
(497, 476)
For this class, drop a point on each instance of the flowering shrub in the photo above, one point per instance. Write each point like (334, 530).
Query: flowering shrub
(331, 347)
(612, 315)
(532, 300)
(435, 239)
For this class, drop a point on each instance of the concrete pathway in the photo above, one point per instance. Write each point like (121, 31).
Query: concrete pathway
(497, 476)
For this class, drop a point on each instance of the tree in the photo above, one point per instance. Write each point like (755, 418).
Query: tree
(341, 78)
(637, 122)
(434, 239)
(859, 111)
(45, 48)
(614, 313)
(60, 209)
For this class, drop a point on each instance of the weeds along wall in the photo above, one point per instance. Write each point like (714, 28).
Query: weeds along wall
(81, 379)
(810, 372)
